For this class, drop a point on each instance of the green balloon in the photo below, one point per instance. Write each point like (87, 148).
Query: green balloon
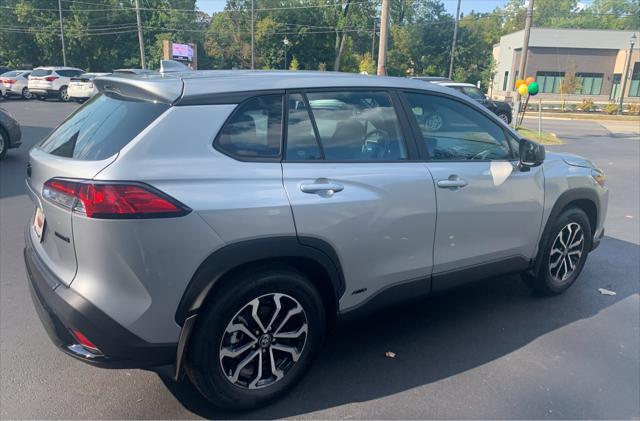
(533, 88)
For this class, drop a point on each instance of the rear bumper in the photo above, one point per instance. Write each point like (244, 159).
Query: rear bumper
(60, 309)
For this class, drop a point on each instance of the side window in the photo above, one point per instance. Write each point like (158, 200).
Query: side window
(357, 126)
(453, 131)
(64, 73)
(301, 138)
(254, 130)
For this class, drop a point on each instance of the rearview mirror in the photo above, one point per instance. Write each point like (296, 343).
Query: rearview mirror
(531, 153)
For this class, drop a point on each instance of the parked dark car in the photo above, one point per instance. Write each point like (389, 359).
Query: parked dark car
(10, 133)
(499, 108)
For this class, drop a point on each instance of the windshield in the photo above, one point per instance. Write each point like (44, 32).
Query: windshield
(100, 128)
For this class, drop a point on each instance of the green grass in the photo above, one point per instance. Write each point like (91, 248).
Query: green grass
(546, 138)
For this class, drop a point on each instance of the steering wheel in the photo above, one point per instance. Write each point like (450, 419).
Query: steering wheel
(482, 155)
(383, 138)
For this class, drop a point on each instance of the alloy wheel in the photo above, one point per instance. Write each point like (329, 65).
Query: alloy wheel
(504, 118)
(566, 252)
(64, 95)
(26, 94)
(263, 341)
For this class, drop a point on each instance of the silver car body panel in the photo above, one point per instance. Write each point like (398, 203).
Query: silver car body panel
(381, 225)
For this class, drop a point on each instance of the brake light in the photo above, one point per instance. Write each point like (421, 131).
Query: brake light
(104, 200)
(9, 81)
(50, 78)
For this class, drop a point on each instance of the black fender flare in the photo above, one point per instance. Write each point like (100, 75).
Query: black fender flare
(566, 198)
(237, 254)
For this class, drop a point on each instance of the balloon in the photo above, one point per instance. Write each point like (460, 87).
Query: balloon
(523, 89)
(533, 88)
(519, 82)
(529, 80)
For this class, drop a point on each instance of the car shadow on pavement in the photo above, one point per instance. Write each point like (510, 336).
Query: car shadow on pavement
(13, 167)
(440, 337)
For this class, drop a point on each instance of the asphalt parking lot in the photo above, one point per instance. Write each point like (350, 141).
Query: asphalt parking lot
(491, 350)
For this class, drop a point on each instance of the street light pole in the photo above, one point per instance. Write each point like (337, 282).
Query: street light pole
(286, 43)
(626, 72)
(64, 50)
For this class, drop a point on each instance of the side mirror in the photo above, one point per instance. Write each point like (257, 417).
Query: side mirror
(531, 153)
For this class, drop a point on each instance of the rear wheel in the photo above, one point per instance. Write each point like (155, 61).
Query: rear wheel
(257, 338)
(63, 94)
(563, 253)
(26, 94)
(504, 117)
(4, 143)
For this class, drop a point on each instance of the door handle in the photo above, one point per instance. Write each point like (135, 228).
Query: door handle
(322, 187)
(453, 182)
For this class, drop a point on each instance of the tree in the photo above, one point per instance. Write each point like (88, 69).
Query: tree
(294, 65)
(570, 84)
(367, 64)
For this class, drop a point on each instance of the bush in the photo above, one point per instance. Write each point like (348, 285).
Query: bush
(610, 108)
(587, 105)
(633, 109)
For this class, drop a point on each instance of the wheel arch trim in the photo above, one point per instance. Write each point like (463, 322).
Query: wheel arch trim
(222, 261)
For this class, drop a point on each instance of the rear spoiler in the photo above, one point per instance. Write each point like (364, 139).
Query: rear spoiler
(145, 87)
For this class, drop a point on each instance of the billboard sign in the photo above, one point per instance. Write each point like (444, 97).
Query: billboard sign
(182, 52)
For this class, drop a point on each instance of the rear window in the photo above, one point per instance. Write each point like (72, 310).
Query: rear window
(13, 73)
(100, 128)
(41, 72)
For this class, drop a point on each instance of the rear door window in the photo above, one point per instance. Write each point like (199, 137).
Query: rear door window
(357, 126)
(101, 128)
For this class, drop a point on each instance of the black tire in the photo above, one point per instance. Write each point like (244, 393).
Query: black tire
(4, 142)
(505, 117)
(63, 95)
(541, 279)
(203, 365)
(26, 94)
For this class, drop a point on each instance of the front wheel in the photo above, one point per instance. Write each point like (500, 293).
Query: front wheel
(26, 94)
(256, 338)
(504, 117)
(563, 253)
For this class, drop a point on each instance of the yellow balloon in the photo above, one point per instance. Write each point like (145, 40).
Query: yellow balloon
(523, 89)
(519, 83)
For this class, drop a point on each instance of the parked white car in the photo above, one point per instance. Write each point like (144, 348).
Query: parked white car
(47, 82)
(81, 88)
(15, 83)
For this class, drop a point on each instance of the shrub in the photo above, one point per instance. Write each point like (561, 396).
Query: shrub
(610, 108)
(634, 109)
(587, 105)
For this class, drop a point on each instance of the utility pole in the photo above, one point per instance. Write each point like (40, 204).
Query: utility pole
(373, 39)
(523, 57)
(253, 22)
(626, 73)
(384, 37)
(64, 50)
(140, 37)
(453, 43)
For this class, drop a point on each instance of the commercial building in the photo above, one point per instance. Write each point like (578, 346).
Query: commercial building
(597, 58)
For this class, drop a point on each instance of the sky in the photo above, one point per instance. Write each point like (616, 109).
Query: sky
(466, 6)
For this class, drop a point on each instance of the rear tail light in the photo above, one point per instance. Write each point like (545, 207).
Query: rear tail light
(108, 200)
(50, 78)
(9, 81)
(84, 341)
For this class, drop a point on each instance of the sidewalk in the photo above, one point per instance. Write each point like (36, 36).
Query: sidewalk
(633, 119)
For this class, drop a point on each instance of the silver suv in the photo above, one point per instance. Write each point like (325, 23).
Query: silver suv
(218, 223)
